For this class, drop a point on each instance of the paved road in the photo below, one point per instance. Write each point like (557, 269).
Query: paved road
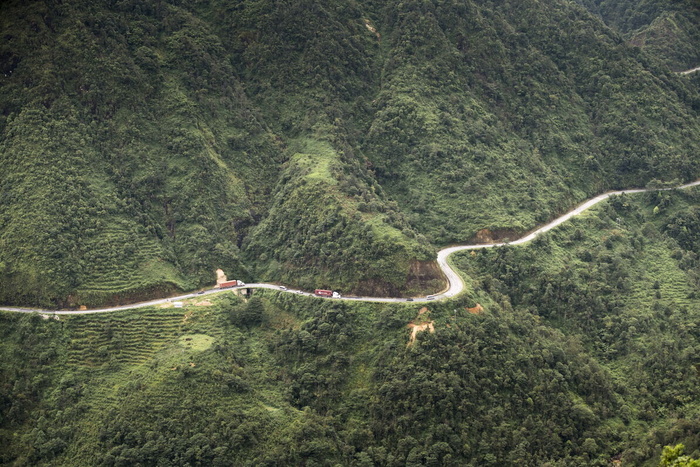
(456, 284)
(693, 70)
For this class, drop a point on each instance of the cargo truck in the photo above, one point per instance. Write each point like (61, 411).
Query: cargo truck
(326, 293)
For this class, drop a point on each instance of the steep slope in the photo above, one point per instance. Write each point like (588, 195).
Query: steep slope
(579, 348)
(311, 66)
(323, 218)
(172, 160)
(666, 29)
(146, 143)
(624, 279)
(131, 158)
(497, 116)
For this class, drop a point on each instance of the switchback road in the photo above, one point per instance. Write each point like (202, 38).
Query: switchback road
(456, 284)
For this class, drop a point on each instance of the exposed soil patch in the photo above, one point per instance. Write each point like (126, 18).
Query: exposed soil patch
(425, 277)
(420, 326)
(476, 310)
(220, 277)
(373, 30)
(416, 328)
(484, 236)
(204, 303)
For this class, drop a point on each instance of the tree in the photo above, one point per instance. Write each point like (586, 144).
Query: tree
(673, 457)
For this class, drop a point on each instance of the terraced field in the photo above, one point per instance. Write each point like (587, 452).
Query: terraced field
(661, 283)
(116, 246)
(130, 338)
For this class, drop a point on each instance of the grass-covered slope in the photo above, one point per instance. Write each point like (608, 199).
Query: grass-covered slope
(314, 381)
(497, 116)
(575, 349)
(623, 280)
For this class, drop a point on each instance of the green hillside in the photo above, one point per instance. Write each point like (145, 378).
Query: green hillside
(666, 29)
(623, 282)
(323, 218)
(118, 155)
(145, 144)
(574, 350)
(339, 144)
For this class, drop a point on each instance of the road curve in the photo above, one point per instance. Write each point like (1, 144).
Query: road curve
(455, 287)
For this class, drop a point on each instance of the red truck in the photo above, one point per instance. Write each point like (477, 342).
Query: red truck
(233, 283)
(327, 293)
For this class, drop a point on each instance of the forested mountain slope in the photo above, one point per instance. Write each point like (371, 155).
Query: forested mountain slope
(578, 349)
(146, 143)
(667, 29)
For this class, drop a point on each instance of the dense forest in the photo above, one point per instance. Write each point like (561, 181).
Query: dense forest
(667, 29)
(338, 144)
(580, 348)
(146, 143)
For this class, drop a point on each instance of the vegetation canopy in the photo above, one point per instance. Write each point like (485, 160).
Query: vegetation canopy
(145, 144)
(338, 144)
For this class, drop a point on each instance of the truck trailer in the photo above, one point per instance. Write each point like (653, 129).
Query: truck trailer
(326, 293)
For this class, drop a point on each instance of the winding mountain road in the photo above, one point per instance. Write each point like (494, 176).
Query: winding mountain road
(692, 70)
(455, 287)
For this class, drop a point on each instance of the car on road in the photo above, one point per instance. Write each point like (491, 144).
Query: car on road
(283, 287)
(200, 292)
(409, 299)
(430, 297)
